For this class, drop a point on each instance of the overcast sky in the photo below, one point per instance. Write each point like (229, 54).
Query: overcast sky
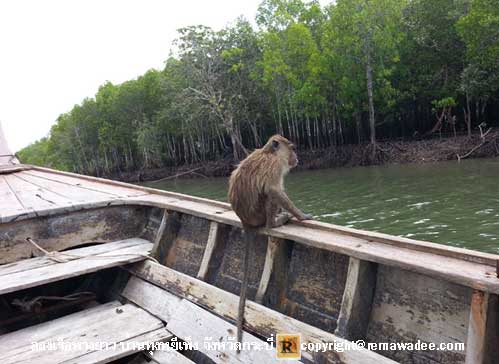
(54, 53)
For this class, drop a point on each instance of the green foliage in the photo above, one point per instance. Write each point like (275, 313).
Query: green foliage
(443, 103)
(302, 72)
(479, 30)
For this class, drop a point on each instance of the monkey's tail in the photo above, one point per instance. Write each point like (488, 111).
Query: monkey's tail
(248, 237)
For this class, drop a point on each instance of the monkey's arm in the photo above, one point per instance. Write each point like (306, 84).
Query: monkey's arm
(283, 200)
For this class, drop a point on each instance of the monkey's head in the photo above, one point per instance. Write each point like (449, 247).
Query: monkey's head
(283, 149)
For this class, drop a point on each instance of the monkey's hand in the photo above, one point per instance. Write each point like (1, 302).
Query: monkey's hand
(304, 216)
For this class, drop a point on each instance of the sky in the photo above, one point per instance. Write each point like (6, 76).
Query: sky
(54, 53)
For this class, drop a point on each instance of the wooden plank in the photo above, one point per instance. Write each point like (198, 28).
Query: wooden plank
(153, 299)
(194, 322)
(273, 245)
(477, 328)
(59, 271)
(33, 196)
(71, 193)
(37, 197)
(402, 242)
(408, 306)
(6, 169)
(42, 261)
(123, 348)
(112, 324)
(258, 318)
(161, 357)
(38, 332)
(63, 179)
(167, 357)
(147, 190)
(159, 233)
(211, 245)
(7, 196)
(357, 300)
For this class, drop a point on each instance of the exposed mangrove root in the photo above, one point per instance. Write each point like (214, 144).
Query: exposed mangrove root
(484, 140)
(387, 152)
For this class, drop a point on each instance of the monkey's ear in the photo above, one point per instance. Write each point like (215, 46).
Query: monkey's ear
(275, 145)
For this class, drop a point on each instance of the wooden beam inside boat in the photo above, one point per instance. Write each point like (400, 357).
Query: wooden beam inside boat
(274, 248)
(357, 300)
(211, 244)
(258, 319)
(477, 328)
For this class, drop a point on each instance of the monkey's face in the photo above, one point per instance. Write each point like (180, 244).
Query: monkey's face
(292, 158)
(285, 150)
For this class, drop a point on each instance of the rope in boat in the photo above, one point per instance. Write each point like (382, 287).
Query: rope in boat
(62, 257)
(28, 305)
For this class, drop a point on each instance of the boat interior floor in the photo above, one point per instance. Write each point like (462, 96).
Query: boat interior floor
(96, 335)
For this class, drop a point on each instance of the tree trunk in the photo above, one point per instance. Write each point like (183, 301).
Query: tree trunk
(357, 125)
(369, 77)
(467, 118)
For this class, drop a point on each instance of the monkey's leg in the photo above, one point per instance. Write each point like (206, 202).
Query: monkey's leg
(248, 237)
(282, 218)
(271, 209)
(284, 201)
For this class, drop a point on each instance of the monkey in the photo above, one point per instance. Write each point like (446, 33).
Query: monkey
(256, 194)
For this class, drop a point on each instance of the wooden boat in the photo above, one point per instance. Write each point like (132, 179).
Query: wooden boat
(76, 268)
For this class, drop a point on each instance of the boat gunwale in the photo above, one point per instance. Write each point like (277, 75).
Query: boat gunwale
(418, 245)
(352, 242)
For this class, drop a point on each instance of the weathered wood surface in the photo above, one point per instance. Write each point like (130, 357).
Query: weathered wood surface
(112, 323)
(314, 287)
(211, 244)
(153, 299)
(162, 357)
(460, 266)
(227, 273)
(57, 181)
(6, 169)
(477, 328)
(123, 348)
(408, 307)
(65, 231)
(357, 300)
(67, 194)
(258, 318)
(169, 357)
(41, 270)
(159, 233)
(184, 251)
(198, 324)
(273, 247)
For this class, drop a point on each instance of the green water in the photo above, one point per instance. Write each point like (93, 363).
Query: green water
(449, 202)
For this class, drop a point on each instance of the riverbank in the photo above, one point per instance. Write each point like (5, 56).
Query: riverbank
(388, 152)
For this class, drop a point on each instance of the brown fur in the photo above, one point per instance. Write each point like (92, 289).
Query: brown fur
(256, 194)
(259, 177)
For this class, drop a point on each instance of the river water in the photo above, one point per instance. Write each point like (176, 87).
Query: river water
(448, 202)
